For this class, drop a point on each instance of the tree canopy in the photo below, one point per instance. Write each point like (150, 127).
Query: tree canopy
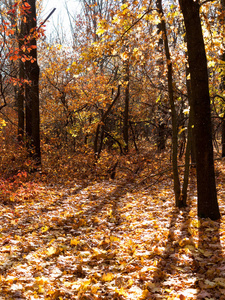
(112, 146)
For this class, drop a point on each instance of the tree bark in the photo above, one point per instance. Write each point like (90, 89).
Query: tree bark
(21, 90)
(32, 88)
(20, 103)
(223, 137)
(102, 124)
(191, 119)
(206, 186)
(126, 106)
(176, 180)
(222, 88)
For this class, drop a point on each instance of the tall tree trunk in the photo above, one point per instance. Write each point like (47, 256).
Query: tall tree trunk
(103, 119)
(191, 120)
(223, 137)
(14, 65)
(21, 90)
(223, 88)
(177, 189)
(206, 186)
(20, 103)
(187, 160)
(161, 130)
(191, 112)
(126, 107)
(32, 88)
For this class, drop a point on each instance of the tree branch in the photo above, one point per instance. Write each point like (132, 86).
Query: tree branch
(206, 1)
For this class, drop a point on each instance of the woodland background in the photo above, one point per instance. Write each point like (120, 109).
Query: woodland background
(98, 147)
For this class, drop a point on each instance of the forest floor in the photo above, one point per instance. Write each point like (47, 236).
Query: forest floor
(109, 239)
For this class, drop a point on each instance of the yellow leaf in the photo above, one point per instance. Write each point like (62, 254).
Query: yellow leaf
(184, 242)
(115, 19)
(51, 251)
(196, 223)
(145, 295)
(94, 289)
(124, 56)
(74, 242)
(100, 31)
(114, 238)
(121, 292)
(130, 283)
(211, 64)
(68, 284)
(2, 123)
(41, 289)
(84, 285)
(125, 5)
(44, 229)
(107, 277)
(41, 280)
(186, 111)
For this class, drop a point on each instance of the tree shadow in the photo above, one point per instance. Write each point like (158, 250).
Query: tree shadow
(169, 263)
(111, 200)
(192, 263)
(71, 225)
(210, 261)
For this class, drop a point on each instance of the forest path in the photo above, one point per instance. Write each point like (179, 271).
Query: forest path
(109, 240)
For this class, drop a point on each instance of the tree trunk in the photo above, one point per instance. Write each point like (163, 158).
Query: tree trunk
(32, 88)
(191, 117)
(20, 103)
(161, 136)
(187, 161)
(206, 186)
(176, 179)
(223, 137)
(126, 107)
(102, 124)
(222, 89)
(21, 89)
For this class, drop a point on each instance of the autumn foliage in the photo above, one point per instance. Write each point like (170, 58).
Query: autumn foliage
(96, 217)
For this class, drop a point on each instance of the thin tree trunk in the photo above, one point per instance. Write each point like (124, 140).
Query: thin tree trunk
(20, 103)
(177, 189)
(206, 186)
(126, 107)
(187, 160)
(101, 140)
(103, 119)
(133, 135)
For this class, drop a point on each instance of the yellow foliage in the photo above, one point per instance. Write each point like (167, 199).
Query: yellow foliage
(107, 277)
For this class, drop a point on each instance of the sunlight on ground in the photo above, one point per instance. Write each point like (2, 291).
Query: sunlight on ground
(109, 240)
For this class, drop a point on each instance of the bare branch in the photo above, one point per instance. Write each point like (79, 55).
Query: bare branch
(206, 1)
(2, 93)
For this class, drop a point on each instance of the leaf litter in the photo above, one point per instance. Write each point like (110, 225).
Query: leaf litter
(109, 240)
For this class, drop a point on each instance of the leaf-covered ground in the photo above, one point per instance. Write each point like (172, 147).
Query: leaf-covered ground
(109, 239)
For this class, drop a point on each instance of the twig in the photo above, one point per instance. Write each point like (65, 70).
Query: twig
(164, 171)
